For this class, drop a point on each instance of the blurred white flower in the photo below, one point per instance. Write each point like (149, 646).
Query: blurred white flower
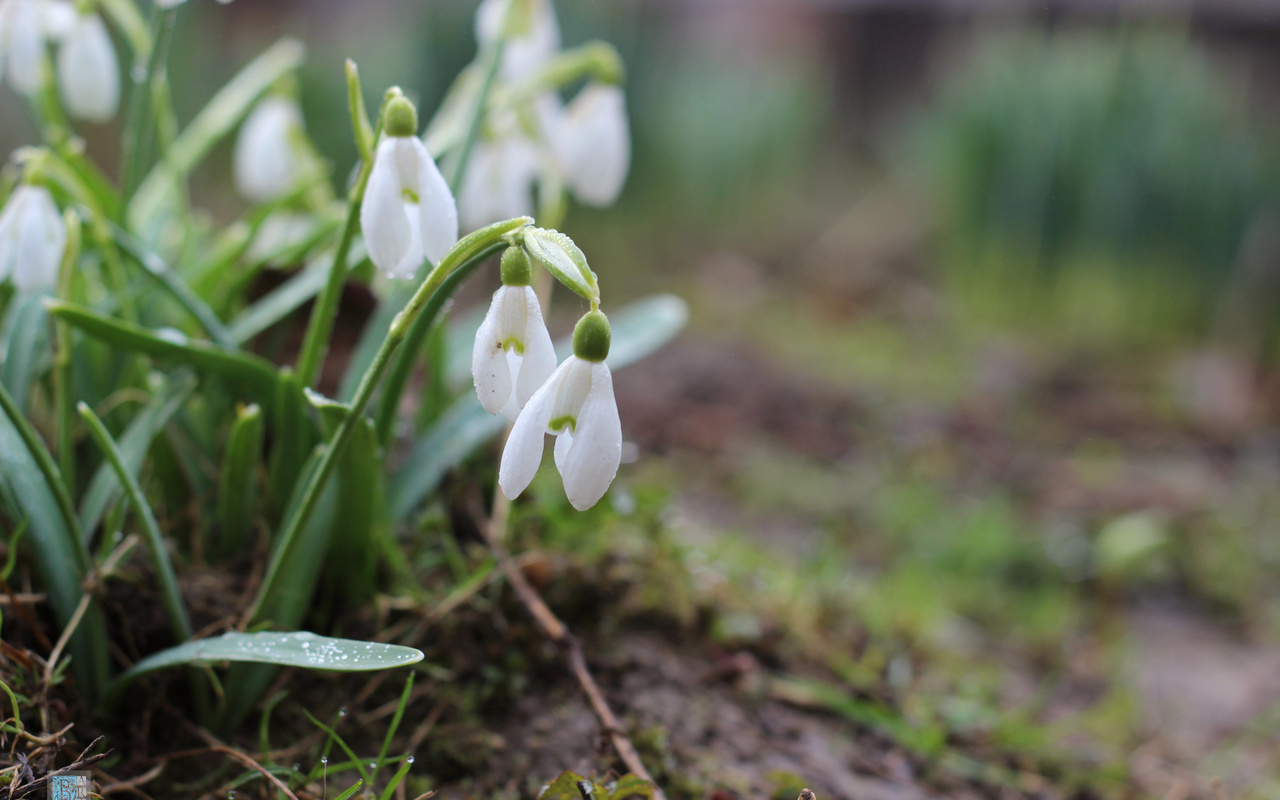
(88, 72)
(576, 405)
(592, 144)
(408, 212)
(25, 26)
(499, 181)
(266, 162)
(176, 3)
(513, 355)
(533, 38)
(32, 239)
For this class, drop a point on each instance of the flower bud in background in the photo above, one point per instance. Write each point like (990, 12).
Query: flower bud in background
(533, 35)
(88, 72)
(266, 162)
(25, 25)
(513, 355)
(408, 212)
(499, 181)
(576, 405)
(592, 144)
(32, 239)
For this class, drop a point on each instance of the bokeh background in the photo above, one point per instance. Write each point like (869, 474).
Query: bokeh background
(977, 401)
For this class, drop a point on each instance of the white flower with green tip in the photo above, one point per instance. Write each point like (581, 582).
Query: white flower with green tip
(88, 72)
(592, 144)
(32, 239)
(266, 162)
(576, 405)
(513, 355)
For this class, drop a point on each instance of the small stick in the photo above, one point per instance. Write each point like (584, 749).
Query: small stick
(556, 631)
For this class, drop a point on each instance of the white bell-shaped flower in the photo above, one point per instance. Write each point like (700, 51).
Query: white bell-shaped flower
(592, 144)
(88, 72)
(576, 404)
(408, 212)
(534, 35)
(32, 239)
(266, 162)
(25, 25)
(499, 182)
(513, 355)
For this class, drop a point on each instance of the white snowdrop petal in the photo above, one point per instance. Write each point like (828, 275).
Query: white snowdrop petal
(26, 46)
(591, 463)
(489, 369)
(572, 391)
(57, 18)
(539, 359)
(88, 72)
(523, 452)
(436, 209)
(387, 234)
(564, 443)
(40, 242)
(593, 144)
(498, 183)
(265, 164)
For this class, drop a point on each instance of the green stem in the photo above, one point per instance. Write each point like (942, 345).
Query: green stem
(474, 248)
(62, 358)
(169, 591)
(136, 139)
(320, 327)
(494, 60)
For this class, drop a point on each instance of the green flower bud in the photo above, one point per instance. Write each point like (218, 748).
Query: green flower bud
(516, 269)
(401, 118)
(591, 337)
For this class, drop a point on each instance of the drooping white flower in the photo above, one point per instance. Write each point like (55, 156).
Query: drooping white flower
(513, 355)
(266, 162)
(32, 239)
(25, 26)
(408, 212)
(576, 405)
(592, 144)
(498, 183)
(88, 72)
(534, 35)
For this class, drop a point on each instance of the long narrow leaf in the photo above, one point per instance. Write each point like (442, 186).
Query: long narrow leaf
(238, 492)
(248, 371)
(134, 444)
(27, 348)
(156, 268)
(278, 304)
(179, 621)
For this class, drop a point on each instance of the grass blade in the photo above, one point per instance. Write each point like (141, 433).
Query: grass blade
(173, 602)
(238, 493)
(26, 349)
(278, 304)
(249, 372)
(134, 444)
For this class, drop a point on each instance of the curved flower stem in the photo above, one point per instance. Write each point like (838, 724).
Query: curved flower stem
(136, 140)
(316, 341)
(474, 248)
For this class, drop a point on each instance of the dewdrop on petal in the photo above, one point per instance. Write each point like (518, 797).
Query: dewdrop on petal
(266, 163)
(576, 405)
(408, 212)
(32, 239)
(592, 144)
(88, 72)
(513, 355)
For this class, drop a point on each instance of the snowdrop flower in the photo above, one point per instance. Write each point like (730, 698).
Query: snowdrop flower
(499, 181)
(408, 212)
(88, 72)
(32, 239)
(532, 38)
(25, 25)
(266, 162)
(576, 405)
(592, 144)
(513, 355)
